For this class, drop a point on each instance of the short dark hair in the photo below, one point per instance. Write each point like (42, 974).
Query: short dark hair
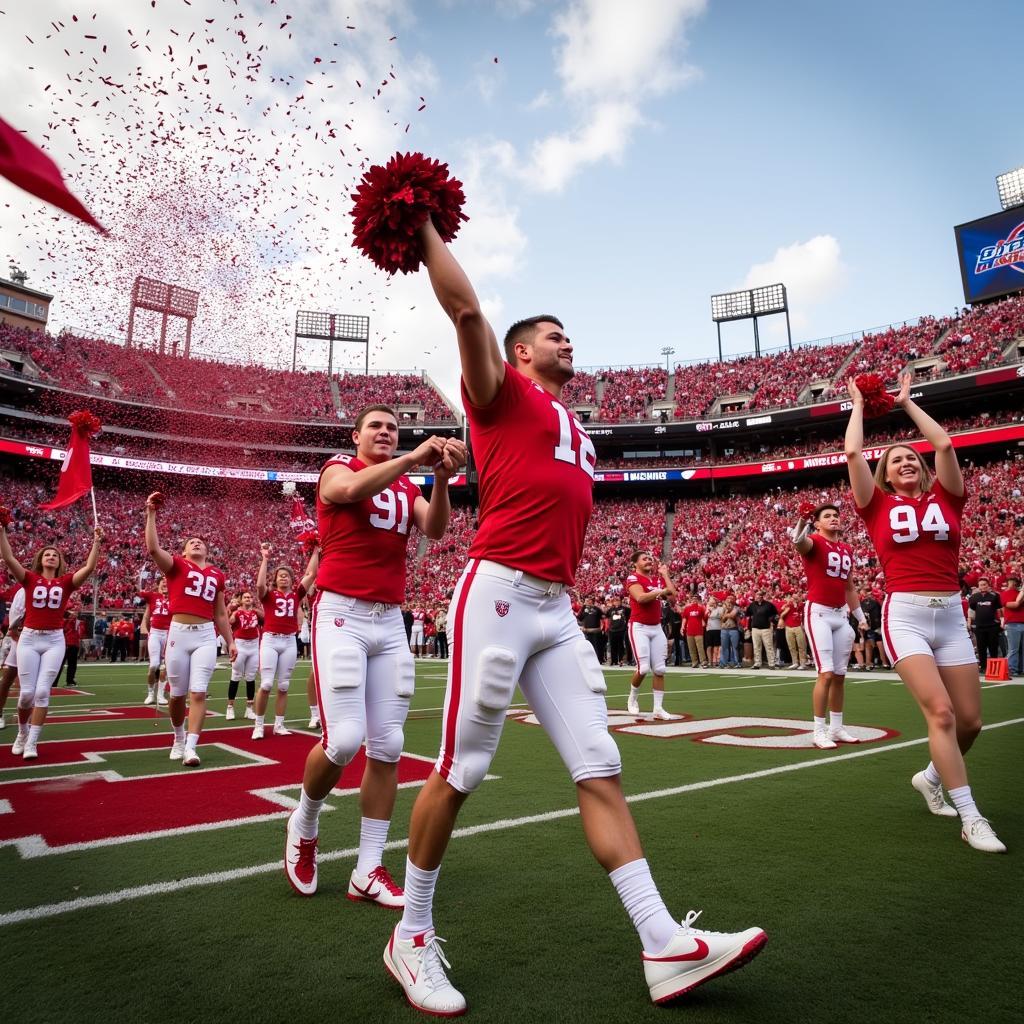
(1015, 580)
(637, 555)
(367, 409)
(822, 507)
(524, 330)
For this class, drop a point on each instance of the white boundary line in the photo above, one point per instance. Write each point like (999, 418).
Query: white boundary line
(108, 899)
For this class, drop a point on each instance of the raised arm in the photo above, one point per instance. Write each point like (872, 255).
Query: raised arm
(947, 466)
(81, 575)
(261, 576)
(483, 368)
(862, 483)
(342, 486)
(432, 517)
(800, 534)
(164, 559)
(17, 569)
(309, 576)
(670, 588)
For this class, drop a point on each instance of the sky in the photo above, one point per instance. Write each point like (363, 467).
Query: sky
(622, 161)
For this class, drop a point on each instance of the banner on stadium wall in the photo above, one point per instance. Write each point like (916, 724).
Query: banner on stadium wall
(968, 439)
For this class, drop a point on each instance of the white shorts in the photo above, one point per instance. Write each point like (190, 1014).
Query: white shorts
(40, 656)
(364, 675)
(191, 657)
(416, 637)
(508, 628)
(278, 654)
(936, 626)
(9, 652)
(156, 646)
(830, 635)
(247, 662)
(650, 647)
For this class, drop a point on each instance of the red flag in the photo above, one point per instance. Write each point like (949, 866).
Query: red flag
(76, 472)
(31, 169)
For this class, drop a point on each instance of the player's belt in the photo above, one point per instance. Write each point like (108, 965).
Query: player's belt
(519, 578)
(925, 600)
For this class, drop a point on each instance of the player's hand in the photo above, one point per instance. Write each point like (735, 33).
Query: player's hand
(855, 394)
(453, 459)
(903, 396)
(266, 548)
(232, 651)
(862, 626)
(154, 501)
(98, 535)
(429, 453)
(800, 531)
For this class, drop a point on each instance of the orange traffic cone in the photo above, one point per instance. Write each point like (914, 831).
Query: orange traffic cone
(997, 670)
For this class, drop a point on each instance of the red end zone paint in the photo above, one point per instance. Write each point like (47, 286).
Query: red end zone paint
(69, 812)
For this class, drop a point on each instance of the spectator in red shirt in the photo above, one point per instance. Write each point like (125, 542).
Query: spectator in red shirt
(1013, 620)
(792, 615)
(74, 630)
(694, 619)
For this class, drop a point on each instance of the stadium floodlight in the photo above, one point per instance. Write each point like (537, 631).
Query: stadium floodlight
(749, 304)
(668, 352)
(331, 327)
(1011, 188)
(168, 300)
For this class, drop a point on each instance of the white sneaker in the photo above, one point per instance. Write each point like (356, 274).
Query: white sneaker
(663, 716)
(250, 714)
(418, 964)
(314, 723)
(3, 724)
(632, 705)
(694, 956)
(161, 700)
(31, 753)
(177, 750)
(842, 735)
(150, 697)
(822, 740)
(190, 758)
(257, 732)
(300, 860)
(280, 730)
(977, 833)
(933, 797)
(229, 714)
(376, 887)
(18, 747)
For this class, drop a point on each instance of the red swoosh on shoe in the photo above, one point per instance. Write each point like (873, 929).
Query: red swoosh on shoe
(366, 892)
(698, 954)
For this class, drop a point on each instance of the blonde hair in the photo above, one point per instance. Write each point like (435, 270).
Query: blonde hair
(882, 469)
(37, 560)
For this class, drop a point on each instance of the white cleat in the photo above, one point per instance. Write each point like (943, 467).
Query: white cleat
(314, 723)
(418, 964)
(842, 735)
(933, 797)
(257, 731)
(300, 860)
(693, 957)
(190, 758)
(250, 714)
(31, 753)
(18, 747)
(150, 698)
(376, 887)
(663, 716)
(3, 724)
(229, 714)
(280, 730)
(823, 741)
(161, 700)
(632, 705)
(977, 833)
(177, 750)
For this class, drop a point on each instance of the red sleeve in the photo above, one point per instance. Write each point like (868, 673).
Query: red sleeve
(507, 398)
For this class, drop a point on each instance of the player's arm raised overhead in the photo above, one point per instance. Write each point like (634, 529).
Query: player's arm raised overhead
(17, 569)
(483, 367)
(261, 575)
(861, 481)
(83, 573)
(342, 486)
(431, 517)
(800, 535)
(309, 576)
(947, 466)
(164, 559)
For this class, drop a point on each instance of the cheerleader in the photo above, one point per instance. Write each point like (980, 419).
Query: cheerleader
(198, 615)
(245, 626)
(47, 586)
(913, 517)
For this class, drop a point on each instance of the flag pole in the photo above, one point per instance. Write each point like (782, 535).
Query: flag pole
(95, 517)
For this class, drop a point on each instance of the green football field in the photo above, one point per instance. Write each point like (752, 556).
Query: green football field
(135, 889)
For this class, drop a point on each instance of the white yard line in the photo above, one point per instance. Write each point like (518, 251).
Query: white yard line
(117, 896)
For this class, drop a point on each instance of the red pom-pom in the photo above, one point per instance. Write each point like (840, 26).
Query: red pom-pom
(309, 539)
(5, 516)
(85, 423)
(877, 401)
(394, 201)
(806, 510)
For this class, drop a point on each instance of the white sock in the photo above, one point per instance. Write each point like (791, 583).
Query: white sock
(33, 733)
(373, 834)
(835, 719)
(659, 697)
(191, 741)
(307, 817)
(932, 775)
(964, 803)
(643, 903)
(634, 691)
(314, 710)
(179, 733)
(259, 719)
(418, 916)
(819, 722)
(23, 728)
(278, 721)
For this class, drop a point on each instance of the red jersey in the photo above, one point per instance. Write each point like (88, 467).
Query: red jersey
(917, 539)
(648, 614)
(794, 617)
(73, 632)
(536, 475)
(159, 609)
(362, 543)
(247, 624)
(828, 566)
(281, 610)
(193, 589)
(694, 618)
(419, 615)
(1011, 614)
(45, 600)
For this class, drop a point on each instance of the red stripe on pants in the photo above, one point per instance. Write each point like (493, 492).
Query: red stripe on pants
(455, 695)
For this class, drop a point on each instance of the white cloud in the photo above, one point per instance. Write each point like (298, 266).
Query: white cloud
(812, 271)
